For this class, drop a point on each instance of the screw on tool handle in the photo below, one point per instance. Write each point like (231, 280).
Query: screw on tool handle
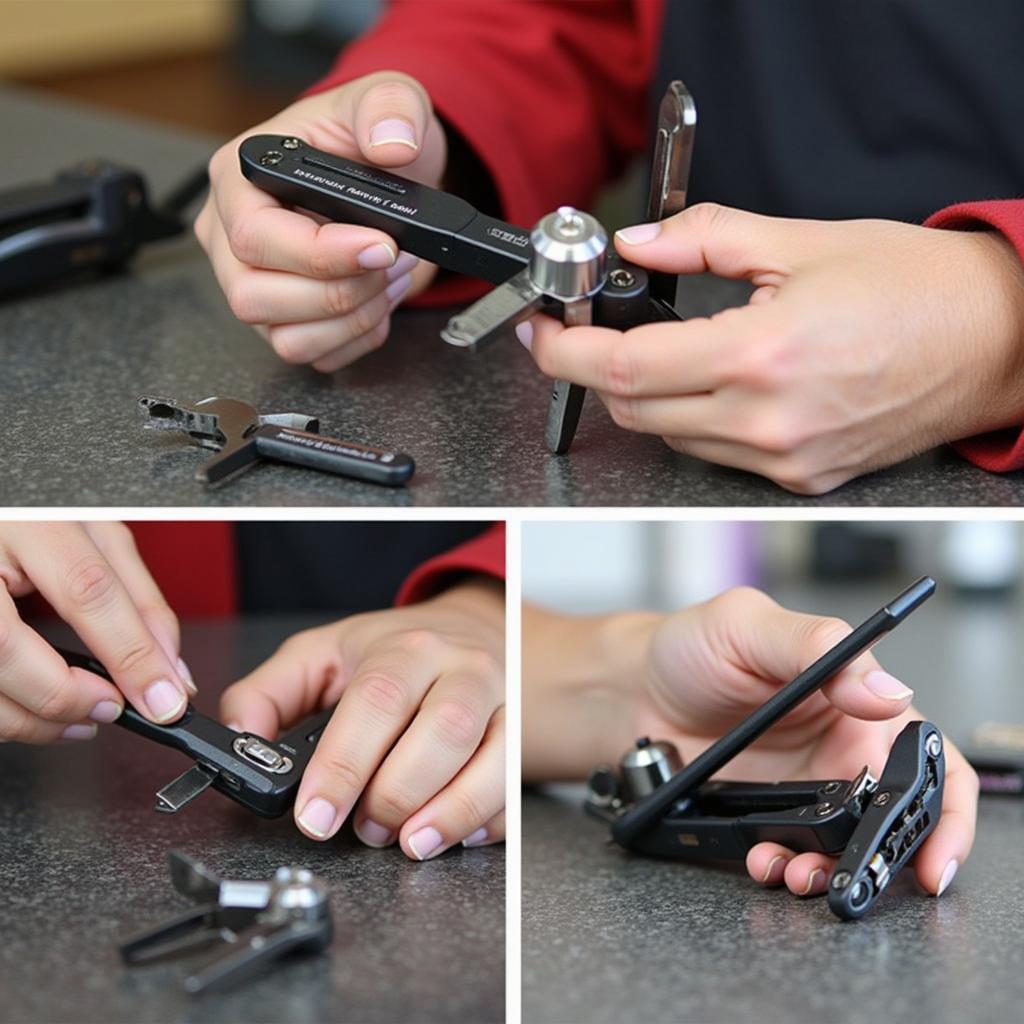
(646, 813)
(331, 455)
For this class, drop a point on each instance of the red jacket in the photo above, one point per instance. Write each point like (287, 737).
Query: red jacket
(559, 117)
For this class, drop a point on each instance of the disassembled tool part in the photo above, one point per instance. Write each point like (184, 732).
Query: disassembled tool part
(254, 923)
(562, 267)
(242, 436)
(655, 806)
(95, 215)
(261, 775)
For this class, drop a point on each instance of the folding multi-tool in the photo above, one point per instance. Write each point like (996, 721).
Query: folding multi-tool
(656, 806)
(562, 267)
(95, 215)
(261, 775)
(253, 922)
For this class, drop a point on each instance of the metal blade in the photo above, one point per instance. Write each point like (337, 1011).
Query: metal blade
(228, 462)
(497, 312)
(184, 789)
(566, 398)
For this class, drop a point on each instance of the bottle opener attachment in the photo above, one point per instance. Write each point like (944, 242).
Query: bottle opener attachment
(656, 806)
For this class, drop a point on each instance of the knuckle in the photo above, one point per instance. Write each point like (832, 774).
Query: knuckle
(796, 474)
(466, 807)
(824, 632)
(245, 242)
(288, 347)
(244, 301)
(457, 723)
(338, 298)
(778, 432)
(385, 694)
(392, 92)
(621, 375)
(392, 804)
(623, 412)
(134, 656)
(418, 643)
(19, 725)
(342, 772)
(58, 702)
(710, 216)
(322, 263)
(740, 603)
(91, 584)
(363, 319)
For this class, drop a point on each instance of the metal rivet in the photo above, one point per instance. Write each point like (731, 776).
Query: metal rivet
(270, 158)
(831, 787)
(933, 745)
(622, 278)
(841, 879)
(824, 808)
(881, 799)
(290, 143)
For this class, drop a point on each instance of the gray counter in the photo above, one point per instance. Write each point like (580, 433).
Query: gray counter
(84, 865)
(75, 360)
(609, 937)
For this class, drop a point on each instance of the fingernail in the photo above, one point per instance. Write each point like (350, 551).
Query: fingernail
(164, 700)
(78, 732)
(393, 129)
(811, 888)
(638, 234)
(186, 677)
(477, 838)
(397, 289)
(405, 263)
(235, 726)
(106, 711)
(373, 834)
(524, 332)
(426, 842)
(378, 256)
(947, 877)
(318, 817)
(888, 687)
(766, 878)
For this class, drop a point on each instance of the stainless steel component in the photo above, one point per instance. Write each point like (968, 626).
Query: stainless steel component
(291, 143)
(831, 787)
(261, 754)
(646, 765)
(862, 785)
(824, 808)
(933, 745)
(841, 879)
(881, 799)
(495, 314)
(184, 789)
(570, 254)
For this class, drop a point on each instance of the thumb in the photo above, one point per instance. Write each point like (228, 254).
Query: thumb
(390, 114)
(720, 240)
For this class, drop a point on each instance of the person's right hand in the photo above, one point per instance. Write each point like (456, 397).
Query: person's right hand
(93, 577)
(322, 293)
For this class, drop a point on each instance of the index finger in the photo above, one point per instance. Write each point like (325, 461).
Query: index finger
(85, 590)
(262, 233)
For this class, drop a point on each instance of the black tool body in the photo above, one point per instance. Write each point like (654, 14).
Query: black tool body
(656, 807)
(93, 216)
(261, 775)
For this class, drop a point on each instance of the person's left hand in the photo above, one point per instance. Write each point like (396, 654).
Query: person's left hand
(864, 342)
(416, 746)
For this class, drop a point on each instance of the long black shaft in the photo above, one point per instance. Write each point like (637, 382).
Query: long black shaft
(648, 811)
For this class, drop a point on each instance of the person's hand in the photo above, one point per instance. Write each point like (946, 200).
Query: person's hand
(93, 578)
(710, 665)
(417, 744)
(322, 293)
(864, 343)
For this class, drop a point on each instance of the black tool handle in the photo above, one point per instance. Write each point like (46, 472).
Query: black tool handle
(331, 455)
(647, 812)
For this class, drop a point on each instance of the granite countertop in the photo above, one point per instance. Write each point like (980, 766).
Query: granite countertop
(76, 358)
(608, 936)
(84, 865)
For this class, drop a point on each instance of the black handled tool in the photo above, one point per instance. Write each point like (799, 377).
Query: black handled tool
(561, 267)
(261, 775)
(95, 215)
(656, 806)
(254, 923)
(242, 436)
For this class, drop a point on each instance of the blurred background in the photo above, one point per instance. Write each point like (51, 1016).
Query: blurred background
(962, 652)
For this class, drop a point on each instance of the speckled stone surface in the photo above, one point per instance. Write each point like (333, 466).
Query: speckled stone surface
(83, 859)
(76, 359)
(610, 937)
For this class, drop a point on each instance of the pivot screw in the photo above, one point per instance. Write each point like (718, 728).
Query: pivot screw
(881, 799)
(824, 808)
(622, 278)
(831, 787)
(841, 879)
(290, 143)
(271, 157)
(569, 223)
(933, 744)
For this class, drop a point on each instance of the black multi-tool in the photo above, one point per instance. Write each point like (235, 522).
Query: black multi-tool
(261, 775)
(656, 806)
(95, 215)
(253, 923)
(242, 436)
(562, 267)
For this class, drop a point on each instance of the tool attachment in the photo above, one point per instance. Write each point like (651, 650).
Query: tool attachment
(562, 267)
(95, 215)
(261, 775)
(253, 922)
(242, 436)
(656, 806)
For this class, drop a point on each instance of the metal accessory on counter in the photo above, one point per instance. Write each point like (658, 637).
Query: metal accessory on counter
(261, 775)
(255, 923)
(242, 436)
(656, 807)
(95, 215)
(563, 267)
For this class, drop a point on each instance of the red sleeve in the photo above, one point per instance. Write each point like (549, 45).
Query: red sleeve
(484, 554)
(551, 96)
(1002, 450)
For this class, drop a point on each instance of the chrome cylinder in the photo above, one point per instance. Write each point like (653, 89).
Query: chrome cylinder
(570, 254)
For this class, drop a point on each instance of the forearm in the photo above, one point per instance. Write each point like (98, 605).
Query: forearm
(580, 680)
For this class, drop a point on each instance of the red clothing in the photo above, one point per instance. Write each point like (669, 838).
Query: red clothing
(484, 555)
(553, 99)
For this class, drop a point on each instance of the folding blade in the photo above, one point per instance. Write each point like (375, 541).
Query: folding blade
(184, 789)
